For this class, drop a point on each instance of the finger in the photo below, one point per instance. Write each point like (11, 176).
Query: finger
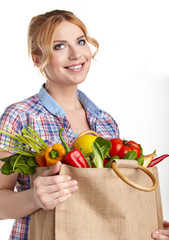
(57, 201)
(155, 235)
(53, 180)
(54, 195)
(53, 170)
(60, 186)
(160, 235)
(164, 232)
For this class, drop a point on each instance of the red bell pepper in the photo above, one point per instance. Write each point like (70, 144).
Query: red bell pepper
(73, 157)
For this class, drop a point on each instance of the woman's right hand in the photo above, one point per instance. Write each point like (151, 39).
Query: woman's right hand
(50, 189)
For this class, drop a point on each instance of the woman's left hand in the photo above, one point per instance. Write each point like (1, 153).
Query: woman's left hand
(161, 234)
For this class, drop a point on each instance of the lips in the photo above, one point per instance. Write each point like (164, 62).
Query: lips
(76, 67)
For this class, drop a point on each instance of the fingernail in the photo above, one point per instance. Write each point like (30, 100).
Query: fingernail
(68, 178)
(155, 235)
(68, 195)
(75, 188)
(73, 183)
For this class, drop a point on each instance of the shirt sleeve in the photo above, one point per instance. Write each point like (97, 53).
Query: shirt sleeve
(9, 121)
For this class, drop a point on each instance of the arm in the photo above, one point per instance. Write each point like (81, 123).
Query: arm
(12, 204)
(49, 190)
(162, 234)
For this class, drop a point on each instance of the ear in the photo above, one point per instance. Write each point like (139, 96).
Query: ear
(37, 60)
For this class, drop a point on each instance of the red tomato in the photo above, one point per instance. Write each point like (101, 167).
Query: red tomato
(136, 147)
(117, 145)
(125, 149)
(121, 147)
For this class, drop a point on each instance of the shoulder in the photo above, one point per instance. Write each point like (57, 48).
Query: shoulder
(17, 113)
(29, 105)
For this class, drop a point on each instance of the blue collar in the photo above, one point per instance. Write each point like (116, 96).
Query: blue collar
(54, 108)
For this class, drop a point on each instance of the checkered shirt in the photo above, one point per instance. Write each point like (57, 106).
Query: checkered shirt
(47, 117)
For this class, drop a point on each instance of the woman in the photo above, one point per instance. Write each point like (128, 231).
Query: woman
(58, 44)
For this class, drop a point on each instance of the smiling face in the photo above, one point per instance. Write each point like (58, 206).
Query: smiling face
(71, 56)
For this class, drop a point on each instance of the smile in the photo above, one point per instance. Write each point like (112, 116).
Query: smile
(76, 68)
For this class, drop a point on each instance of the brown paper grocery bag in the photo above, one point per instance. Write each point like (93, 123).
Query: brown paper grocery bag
(42, 224)
(105, 207)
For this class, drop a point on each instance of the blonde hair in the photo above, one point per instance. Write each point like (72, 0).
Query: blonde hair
(41, 30)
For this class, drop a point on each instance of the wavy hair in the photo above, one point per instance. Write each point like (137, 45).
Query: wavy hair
(41, 30)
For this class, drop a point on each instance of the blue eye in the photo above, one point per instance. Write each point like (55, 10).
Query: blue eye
(59, 46)
(82, 42)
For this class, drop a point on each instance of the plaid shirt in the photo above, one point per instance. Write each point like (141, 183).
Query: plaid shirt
(47, 117)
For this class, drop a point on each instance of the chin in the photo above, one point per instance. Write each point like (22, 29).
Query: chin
(78, 80)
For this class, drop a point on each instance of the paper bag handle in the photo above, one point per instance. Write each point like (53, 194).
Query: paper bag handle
(84, 133)
(88, 132)
(134, 185)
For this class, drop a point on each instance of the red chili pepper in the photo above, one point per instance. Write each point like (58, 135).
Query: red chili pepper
(157, 160)
(73, 157)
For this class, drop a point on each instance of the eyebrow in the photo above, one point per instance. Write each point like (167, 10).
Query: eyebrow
(64, 41)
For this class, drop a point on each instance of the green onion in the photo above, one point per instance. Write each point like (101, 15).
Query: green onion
(16, 162)
(22, 143)
(32, 130)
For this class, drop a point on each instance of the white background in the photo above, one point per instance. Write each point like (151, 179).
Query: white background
(130, 78)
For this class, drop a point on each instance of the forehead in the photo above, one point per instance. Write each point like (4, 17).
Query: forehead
(66, 30)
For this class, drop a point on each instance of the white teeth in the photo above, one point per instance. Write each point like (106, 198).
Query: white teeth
(75, 67)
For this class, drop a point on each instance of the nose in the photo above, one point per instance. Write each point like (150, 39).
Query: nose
(74, 53)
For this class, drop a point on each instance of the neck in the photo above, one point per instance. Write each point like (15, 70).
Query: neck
(66, 97)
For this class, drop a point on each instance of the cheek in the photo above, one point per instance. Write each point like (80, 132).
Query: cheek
(89, 53)
(52, 66)
(58, 59)
(54, 62)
